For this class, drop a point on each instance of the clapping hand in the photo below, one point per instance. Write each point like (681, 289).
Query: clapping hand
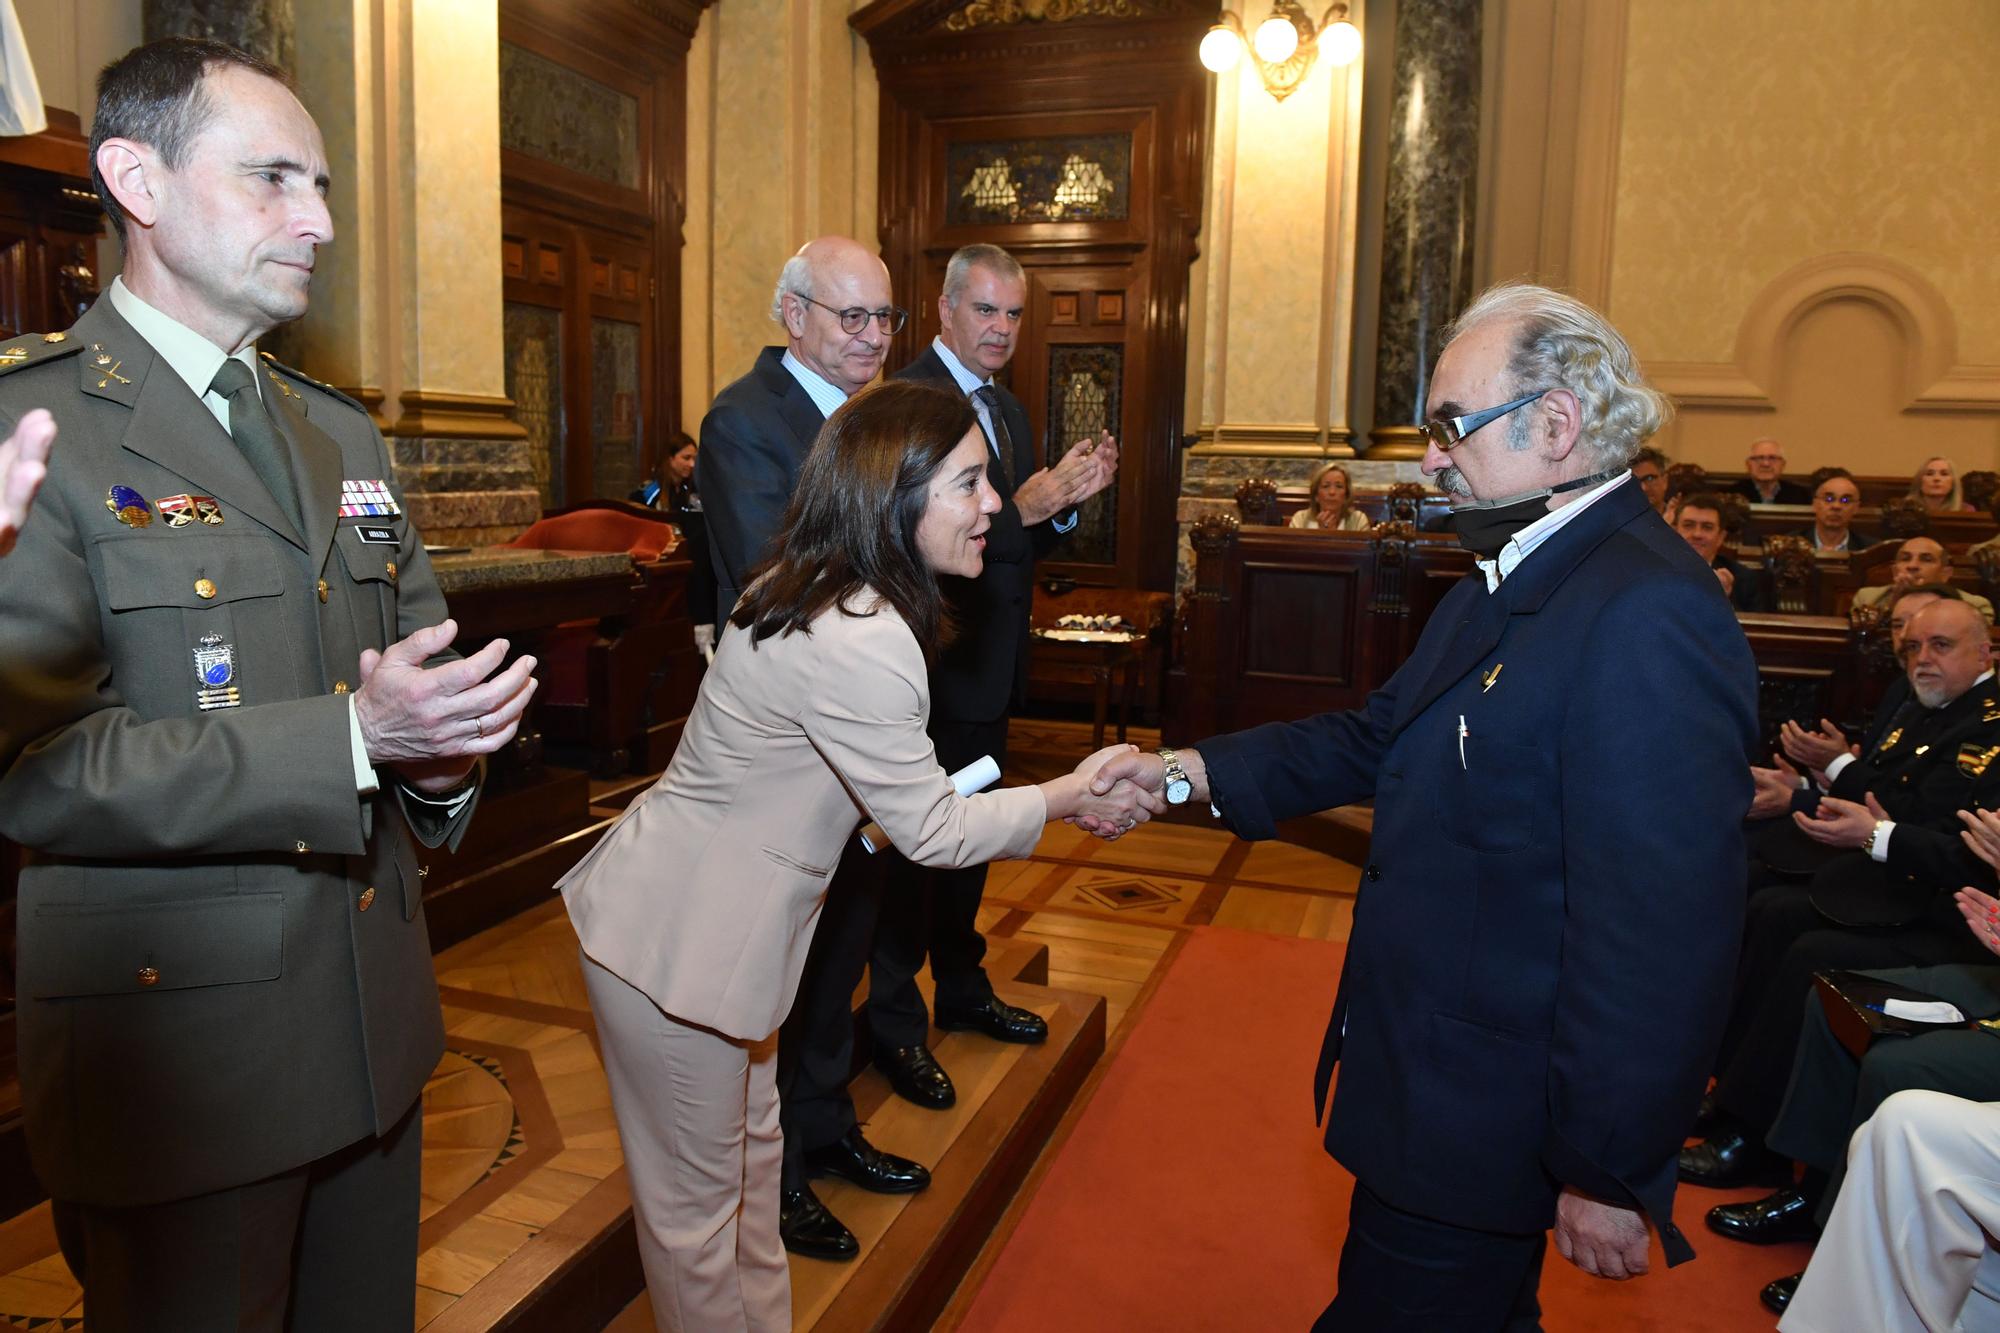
(434, 722)
(1842, 824)
(1813, 749)
(1085, 470)
(1982, 914)
(1774, 788)
(24, 461)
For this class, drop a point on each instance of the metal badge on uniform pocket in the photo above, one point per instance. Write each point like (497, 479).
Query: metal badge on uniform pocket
(215, 668)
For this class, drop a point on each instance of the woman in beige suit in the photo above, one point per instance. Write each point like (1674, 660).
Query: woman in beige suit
(696, 908)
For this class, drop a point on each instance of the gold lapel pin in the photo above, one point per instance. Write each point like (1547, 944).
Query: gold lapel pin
(1486, 681)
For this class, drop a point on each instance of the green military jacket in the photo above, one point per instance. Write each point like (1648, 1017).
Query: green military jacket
(223, 968)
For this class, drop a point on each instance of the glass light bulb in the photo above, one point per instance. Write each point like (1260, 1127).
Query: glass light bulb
(1221, 49)
(1341, 43)
(1275, 41)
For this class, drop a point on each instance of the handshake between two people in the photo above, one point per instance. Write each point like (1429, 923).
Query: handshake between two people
(1114, 791)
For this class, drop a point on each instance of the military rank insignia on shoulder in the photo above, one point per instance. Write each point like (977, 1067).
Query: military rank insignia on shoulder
(1973, 758)
(33, 348)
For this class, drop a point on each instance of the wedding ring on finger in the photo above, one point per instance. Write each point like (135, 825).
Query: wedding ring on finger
(480, 724)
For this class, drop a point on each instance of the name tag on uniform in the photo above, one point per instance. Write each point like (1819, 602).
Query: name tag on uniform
(377, 536)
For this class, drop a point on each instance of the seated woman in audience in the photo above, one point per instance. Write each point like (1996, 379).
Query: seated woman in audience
(1936, 484)
(1332, 507)
(696, 909)
(673, 489)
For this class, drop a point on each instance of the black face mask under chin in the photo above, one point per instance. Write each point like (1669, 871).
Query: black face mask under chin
(1484, 526)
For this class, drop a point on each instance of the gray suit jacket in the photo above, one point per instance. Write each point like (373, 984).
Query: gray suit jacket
(223, 968)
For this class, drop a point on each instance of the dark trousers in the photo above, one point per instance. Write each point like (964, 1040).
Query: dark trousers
(816, 1043)
(1399, 1271)
(330, 1245)
(1831, 1094)
(1785, 941)
(932, 912)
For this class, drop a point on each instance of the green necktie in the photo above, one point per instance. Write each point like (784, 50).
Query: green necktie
(257, 435)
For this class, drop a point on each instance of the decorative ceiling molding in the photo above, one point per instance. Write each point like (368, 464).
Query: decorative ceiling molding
(1011, 13)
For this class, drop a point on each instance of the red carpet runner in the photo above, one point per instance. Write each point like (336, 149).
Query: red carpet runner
(1193, 1194)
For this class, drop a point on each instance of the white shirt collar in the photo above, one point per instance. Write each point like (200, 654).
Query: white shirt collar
(194, 358)
(966, 379)
(1523, 543)
(826, 395)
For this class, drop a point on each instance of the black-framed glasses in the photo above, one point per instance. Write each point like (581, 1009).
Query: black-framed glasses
(854, 319)
(1447, 433)
(1842, 500)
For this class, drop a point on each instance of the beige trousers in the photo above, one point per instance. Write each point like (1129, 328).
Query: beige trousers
(1909, 1246)
(698, 1118)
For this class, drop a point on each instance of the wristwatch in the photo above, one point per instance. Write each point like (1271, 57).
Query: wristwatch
(1178, 788)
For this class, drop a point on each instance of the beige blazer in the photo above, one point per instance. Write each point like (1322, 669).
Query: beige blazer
(704, 895)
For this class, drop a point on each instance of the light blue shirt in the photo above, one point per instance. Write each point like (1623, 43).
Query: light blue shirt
(967, 382)
(826, 396)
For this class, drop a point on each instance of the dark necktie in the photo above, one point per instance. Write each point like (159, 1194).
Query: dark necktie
(1003, 444)
(257, 435)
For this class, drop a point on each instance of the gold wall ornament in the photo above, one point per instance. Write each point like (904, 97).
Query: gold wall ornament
(1008, 13)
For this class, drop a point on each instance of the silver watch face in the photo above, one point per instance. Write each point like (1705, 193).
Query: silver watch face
(1178, 791)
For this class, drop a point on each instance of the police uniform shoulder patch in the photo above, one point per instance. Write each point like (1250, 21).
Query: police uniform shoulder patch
(32, 349)
(1973, 758)
(272, 363)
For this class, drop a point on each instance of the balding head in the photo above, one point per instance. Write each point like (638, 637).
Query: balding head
(827, 276)
(1949, 648)
(1922, 560)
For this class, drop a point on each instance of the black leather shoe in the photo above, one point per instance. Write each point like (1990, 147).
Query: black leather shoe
(1728, 1159)
(997, 1019)
(917, 1077)
(856, 1160)
(1705, 1119)
(1786, 1215)
(808, 1229)
(1777, 1295)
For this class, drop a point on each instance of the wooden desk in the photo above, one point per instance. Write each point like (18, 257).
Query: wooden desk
(1100, 659)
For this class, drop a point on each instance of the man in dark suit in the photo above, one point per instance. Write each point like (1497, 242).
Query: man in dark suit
(1832, 531)
(833, 301)
(1700, 520)
(978, 677)
(1883, 900)
(1766, 484)
(1533, 986)
(227, 708)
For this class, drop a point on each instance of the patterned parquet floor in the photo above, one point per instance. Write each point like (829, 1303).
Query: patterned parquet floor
(520, 1148)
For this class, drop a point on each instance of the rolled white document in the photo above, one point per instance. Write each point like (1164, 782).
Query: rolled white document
(978, 775)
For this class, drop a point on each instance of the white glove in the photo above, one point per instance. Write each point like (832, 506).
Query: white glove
(704, 639)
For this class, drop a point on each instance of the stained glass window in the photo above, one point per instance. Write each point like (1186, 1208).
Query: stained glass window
(1083, 178)
(1086, 383)
(550, 111)
(532, 335)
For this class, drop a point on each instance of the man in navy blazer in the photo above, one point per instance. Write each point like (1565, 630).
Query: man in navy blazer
(978, 676)
(1547, 930)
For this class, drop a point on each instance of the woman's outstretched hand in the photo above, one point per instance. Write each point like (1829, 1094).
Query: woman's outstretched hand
(1109, 815)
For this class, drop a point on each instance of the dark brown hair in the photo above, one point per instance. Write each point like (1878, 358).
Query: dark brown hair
(852, 523)
(153, 95)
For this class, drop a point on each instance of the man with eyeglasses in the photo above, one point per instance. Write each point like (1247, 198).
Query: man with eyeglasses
(977, 678)
(1766, 484)
(833, 301)
(1547, 926)
(1649, 471)
(1833, 531)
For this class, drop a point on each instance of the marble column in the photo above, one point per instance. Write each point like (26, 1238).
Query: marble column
(264, 28)
(1427, 226)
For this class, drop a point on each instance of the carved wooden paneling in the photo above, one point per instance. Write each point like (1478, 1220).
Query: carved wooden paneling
(1074, 133)
(49, 224)
(593, 182)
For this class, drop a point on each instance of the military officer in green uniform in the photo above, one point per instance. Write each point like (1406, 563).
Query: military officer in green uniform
(227, 707)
